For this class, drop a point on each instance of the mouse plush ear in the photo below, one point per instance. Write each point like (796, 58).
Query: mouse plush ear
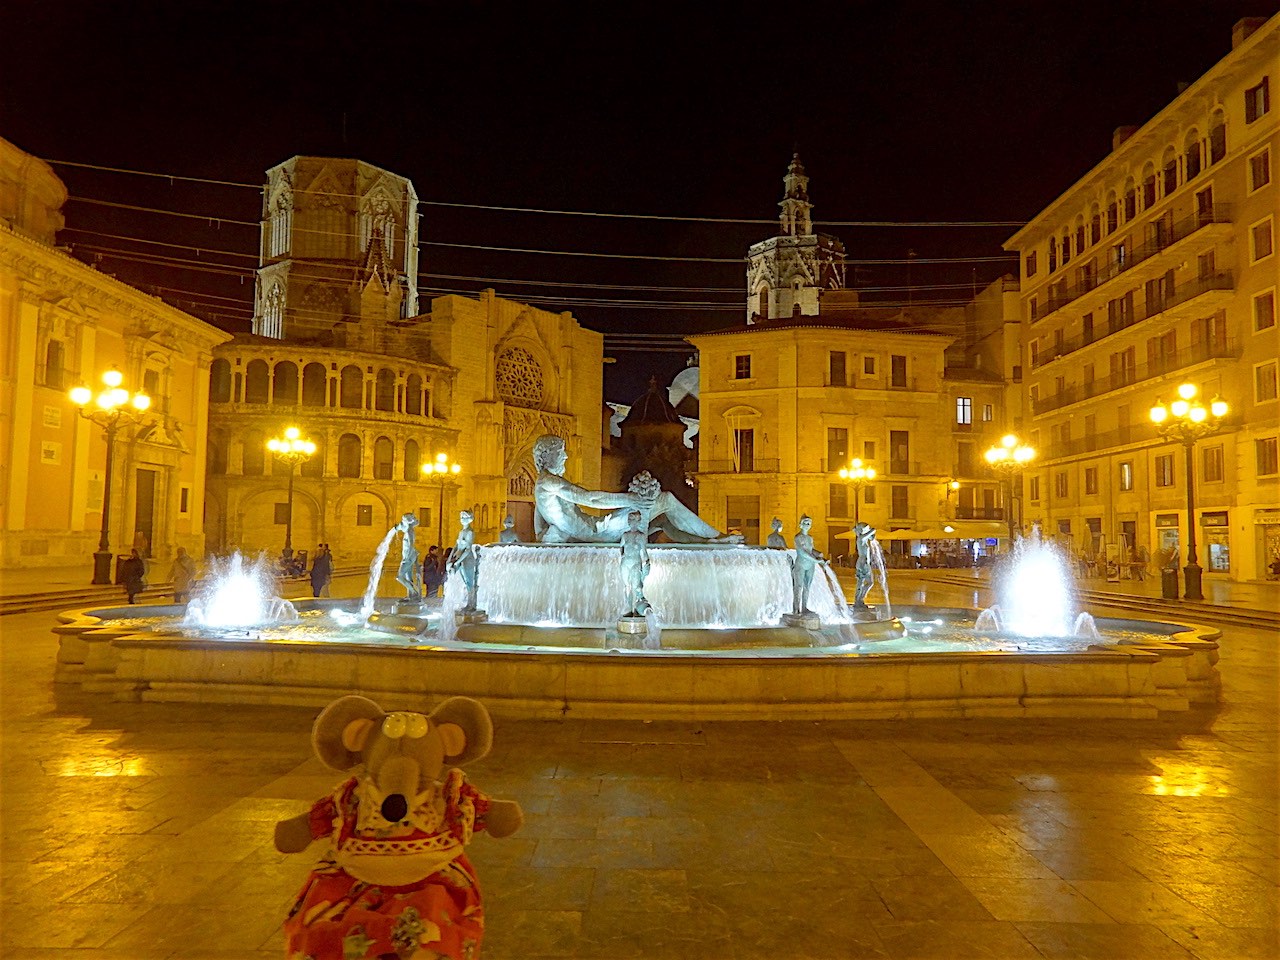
(465, 729)
(342, 729)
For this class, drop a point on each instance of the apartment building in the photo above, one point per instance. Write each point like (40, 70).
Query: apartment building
(1159, 267)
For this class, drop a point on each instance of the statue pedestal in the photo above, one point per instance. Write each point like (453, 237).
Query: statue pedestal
(471, 616)
(409, 606)
(632, 625)
(806, 621)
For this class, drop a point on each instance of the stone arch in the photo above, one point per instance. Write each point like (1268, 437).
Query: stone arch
(413, 395)
(257, 381)
(1192, 155)
(350, 456)
(220, 381)
(384, 458)
(284, 383)
(351, 388)
(412, 460)
(315, 385)
(384, 390)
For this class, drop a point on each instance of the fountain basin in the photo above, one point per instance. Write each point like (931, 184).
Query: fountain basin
(1160, 667)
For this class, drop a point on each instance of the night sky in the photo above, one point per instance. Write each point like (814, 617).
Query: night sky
(972, 112)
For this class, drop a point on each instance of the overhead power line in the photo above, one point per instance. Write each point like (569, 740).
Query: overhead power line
(750, 221)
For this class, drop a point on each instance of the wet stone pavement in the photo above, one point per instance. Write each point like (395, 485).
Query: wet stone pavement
(143, 831)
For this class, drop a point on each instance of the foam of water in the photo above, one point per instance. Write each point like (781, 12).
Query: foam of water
(1036, 594)
(236, 595)
(581, 585)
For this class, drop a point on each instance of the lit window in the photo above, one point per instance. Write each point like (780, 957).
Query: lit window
(1060, 484)
(1257, 101)
(964, 410)
(1260, 239)
(1260, 169)
(742, 366)
(1264, 311)
(987, 412)
(1033, 489)
(1164, 470)
(1264, 382)
(1126, 475)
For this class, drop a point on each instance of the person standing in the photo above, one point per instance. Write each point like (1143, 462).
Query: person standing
(432, 572)
(133, 574)
(183, 574)
(321, 571)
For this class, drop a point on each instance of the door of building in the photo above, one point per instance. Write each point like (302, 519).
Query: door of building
(743, 515)
(144, 519)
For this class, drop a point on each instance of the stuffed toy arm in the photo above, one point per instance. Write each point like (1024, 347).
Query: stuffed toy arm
(503, 818)
(294, 835)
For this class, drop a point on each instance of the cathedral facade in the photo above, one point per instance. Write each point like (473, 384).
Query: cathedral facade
(342, 351)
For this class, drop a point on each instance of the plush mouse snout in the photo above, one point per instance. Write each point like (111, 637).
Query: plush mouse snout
(398, 783)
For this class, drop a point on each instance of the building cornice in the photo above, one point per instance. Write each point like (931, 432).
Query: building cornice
(48, 266)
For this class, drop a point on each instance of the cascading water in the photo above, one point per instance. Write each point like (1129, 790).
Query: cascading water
(882, 576)
(236, 595)
(361, 616)
(1036, 594)
(454, 599)
(688, 586)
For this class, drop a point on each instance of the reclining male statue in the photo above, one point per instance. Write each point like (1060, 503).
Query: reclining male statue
(560, 519)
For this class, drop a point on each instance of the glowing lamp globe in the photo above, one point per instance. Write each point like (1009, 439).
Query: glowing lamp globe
(113, 378)
(81, 395)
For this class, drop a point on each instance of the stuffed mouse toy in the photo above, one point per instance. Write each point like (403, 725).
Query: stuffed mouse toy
(396, 883)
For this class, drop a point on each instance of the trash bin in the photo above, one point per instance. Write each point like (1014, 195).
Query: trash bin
(1169, 583)
(120, 559)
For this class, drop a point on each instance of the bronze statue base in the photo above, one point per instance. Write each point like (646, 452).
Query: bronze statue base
(806, 620)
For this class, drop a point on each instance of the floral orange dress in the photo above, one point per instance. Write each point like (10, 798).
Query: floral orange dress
(389, 889)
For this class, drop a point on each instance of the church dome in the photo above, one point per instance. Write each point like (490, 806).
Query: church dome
(652, 407)
(684, 385)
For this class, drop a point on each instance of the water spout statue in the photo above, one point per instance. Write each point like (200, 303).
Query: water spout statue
(410, 572)
(864, 538)
(635, 564)
(803, 565)
(465, 560)
(775, 540)
(508, 534)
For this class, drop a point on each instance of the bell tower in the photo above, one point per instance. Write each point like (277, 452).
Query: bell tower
(339, 256)
(787, 274)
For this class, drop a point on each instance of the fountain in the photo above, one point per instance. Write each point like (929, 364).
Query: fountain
(236, 596)
(715, 629)
(1036, 595)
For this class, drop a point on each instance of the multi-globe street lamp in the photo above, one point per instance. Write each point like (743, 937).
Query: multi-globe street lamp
(857, 476)
(1008, 459)
(291, 448)
(111, 409)
(1186, 420)
(439, 471)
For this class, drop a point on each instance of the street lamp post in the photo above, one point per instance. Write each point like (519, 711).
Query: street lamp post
(113, 408)
(1186, 420)
(439, 471)
(292, 449)
(857, 476)
(1009, 458)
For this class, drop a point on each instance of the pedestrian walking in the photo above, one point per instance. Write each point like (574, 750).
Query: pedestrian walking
(321, 571)
(183, 574)
(133, 574)
(432, 572)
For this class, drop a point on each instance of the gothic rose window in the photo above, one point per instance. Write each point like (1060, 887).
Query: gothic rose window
(519, 377)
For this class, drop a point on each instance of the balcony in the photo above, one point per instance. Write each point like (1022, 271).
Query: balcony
(1196, 295)
(1108, 439)
(901, 514)
(1222, 350)
(904, 468)
(1220, 213)
(979, 513)
(754, 465)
